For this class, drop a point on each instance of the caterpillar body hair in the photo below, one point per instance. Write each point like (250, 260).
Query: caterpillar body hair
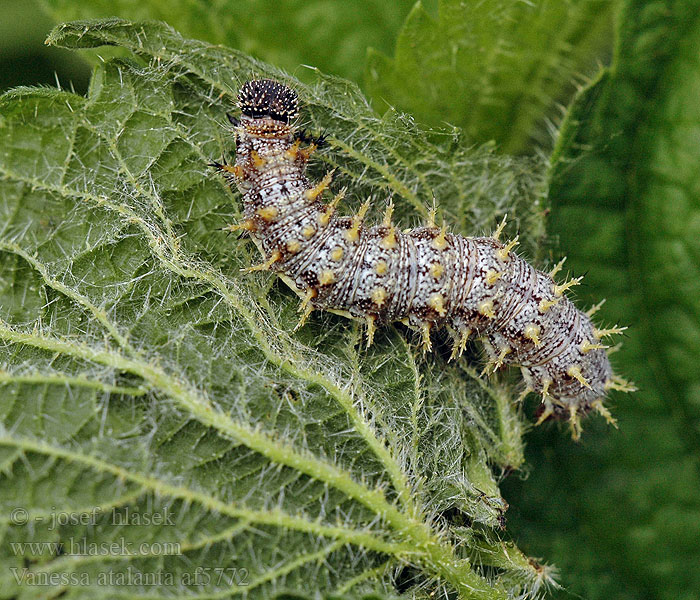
(425, 277)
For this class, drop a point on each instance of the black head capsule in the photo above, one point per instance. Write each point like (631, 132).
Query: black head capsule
(262, 98)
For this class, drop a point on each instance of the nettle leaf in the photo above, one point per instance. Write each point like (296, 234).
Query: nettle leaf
(287, 34)
(143, 373)
(625, 193)
(493, 68)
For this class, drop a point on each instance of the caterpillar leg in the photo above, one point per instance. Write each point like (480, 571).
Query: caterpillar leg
(605, 413)
(601, 333)
(425, 332)
(575, 372)
(499, 230)
(245, 226)
(557, 268)
(305, 308)
(319, 141)
(320, 187)
(228, 170)
(304, 154)
(498, 363)
(620, 384)
(460, 343)
(595, 308)
(575, 424)
(547, 403)
(497, 354)
(265, 266)
(371, 328)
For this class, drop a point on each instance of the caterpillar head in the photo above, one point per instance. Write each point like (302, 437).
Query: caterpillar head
(262, 98)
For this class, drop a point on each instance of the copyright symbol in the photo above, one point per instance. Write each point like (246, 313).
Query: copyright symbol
(19, 516)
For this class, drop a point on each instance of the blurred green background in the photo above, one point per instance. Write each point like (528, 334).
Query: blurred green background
(332, 36)
(25, 60)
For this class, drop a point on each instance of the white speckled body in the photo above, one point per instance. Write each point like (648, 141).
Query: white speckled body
(425, 277)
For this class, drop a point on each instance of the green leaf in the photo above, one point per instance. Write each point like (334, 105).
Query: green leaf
(332, 35)
(493, 68)
(625, 194)
(143, 373)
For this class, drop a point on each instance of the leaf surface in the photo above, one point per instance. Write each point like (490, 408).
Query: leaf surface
(144, 374)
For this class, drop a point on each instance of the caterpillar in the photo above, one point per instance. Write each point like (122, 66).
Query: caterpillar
(425, 277)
